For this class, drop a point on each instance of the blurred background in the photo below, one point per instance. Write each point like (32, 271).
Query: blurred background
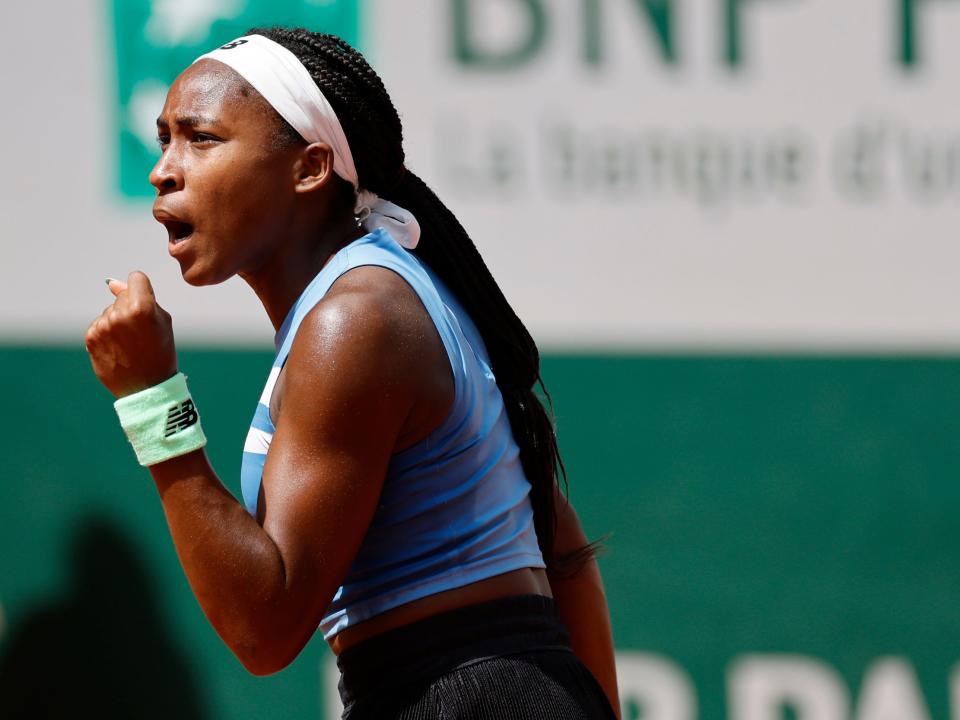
(730, 224)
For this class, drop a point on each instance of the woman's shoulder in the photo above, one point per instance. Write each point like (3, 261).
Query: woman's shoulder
(372, 334)
(370, 305)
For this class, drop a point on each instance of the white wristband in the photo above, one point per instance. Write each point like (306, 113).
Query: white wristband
(162, 421)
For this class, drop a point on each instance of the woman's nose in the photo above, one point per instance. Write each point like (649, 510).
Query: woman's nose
(166, 175)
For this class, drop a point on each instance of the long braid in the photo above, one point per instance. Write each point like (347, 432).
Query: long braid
(375, 134)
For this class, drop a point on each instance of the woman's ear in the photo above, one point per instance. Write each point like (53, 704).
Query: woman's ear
(313, 168)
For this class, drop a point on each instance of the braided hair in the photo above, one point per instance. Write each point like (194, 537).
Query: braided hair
(375, 134)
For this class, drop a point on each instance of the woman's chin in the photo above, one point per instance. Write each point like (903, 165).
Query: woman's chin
(196, 274)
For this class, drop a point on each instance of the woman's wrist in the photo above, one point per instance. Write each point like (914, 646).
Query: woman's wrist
(162, 421)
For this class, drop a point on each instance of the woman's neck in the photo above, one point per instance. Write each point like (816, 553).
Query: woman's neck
(284, 276)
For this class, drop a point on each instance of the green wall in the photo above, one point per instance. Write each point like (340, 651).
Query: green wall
(754, 505)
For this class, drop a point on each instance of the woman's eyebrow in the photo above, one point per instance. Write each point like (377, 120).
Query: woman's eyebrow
(190, 121)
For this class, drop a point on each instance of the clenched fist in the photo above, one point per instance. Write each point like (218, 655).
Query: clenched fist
(131, 344)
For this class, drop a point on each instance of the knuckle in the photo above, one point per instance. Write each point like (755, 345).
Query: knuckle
(138, 309)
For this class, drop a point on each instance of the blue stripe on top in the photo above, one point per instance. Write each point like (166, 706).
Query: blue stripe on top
(454, 508)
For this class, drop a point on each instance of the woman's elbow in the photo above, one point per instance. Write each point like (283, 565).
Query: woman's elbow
(269, 640)
(262, 659)
(261, 646)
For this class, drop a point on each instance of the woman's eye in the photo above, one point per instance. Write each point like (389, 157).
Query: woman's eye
(162, 140)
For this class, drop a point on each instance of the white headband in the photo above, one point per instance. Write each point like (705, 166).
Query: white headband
(284, 82)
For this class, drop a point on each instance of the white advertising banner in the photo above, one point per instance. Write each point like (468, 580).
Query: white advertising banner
(639, 174)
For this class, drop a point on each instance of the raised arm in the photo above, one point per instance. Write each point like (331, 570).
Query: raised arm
(583, 605)
(264, 589)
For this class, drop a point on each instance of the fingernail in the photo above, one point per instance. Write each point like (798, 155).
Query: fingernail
(110, 280)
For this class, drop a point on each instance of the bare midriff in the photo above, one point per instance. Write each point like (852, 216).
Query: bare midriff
(526, 581)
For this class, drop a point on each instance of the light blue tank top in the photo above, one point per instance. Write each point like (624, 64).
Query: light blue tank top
(454, 507)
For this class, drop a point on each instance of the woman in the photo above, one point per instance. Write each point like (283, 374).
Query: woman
(399, 476)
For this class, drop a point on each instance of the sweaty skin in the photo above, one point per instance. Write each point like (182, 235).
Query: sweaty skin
(367, 376)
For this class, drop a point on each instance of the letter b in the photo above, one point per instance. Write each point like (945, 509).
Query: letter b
(761, 685)
(466, 46)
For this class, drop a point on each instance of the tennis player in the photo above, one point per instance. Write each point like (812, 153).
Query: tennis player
(399, 477)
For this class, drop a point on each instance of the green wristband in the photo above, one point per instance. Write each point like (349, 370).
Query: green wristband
(161, 422)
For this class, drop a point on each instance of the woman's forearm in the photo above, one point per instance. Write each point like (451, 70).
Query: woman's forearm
(582, 604)
(233, 566)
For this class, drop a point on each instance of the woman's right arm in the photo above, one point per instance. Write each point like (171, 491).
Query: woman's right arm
(583, 605)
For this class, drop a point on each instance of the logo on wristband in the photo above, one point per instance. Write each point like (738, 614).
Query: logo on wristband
(180, 417)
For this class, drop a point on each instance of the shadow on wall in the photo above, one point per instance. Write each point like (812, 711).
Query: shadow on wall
(102, 647)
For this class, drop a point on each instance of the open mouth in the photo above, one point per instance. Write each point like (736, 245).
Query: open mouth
(178, 231)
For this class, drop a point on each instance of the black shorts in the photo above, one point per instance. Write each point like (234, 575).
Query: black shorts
(508, 659)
